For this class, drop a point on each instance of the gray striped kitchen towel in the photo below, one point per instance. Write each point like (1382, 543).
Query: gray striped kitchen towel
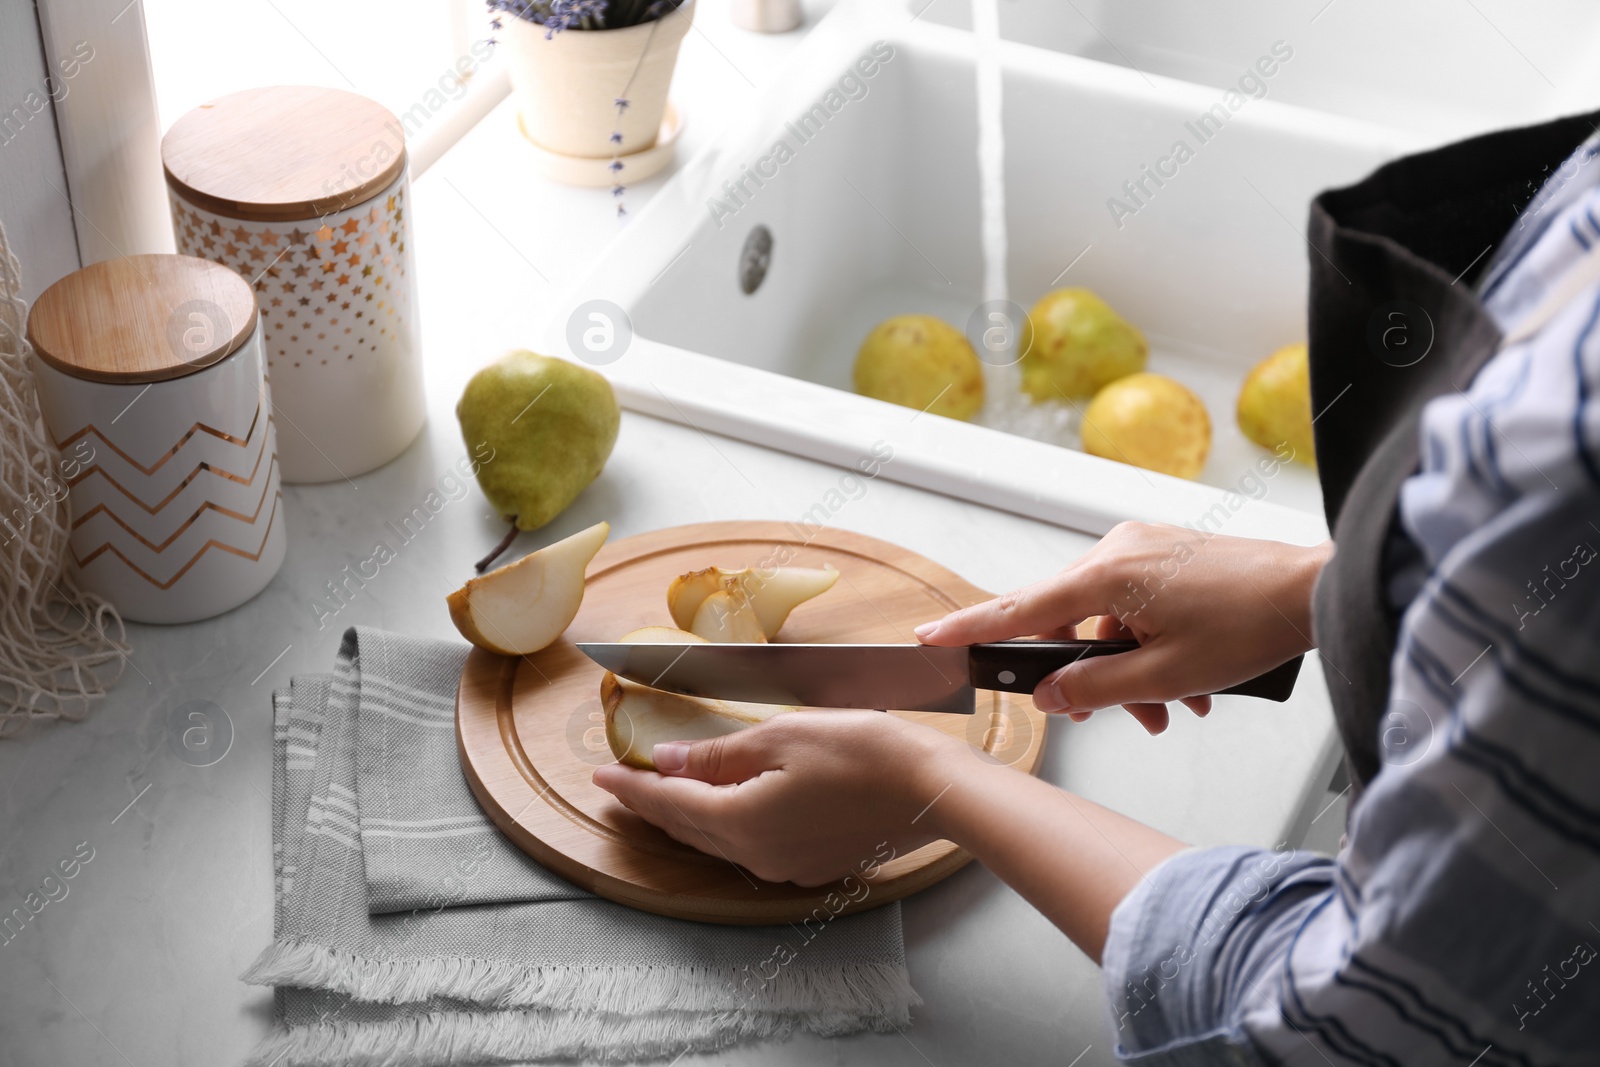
(409, 931)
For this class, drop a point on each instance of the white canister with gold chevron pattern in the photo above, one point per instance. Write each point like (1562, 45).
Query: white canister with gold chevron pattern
(151, 377)
(303, 190)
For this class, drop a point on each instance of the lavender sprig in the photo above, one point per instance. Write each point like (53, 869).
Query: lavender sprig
(618, 189)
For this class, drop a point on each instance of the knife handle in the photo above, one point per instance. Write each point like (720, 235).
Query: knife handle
(1019, 666)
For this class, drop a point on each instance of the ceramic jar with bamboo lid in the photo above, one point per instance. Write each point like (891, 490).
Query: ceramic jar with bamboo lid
(152, 384)
(304, 192)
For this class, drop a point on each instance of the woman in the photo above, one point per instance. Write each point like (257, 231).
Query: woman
(1458, 444)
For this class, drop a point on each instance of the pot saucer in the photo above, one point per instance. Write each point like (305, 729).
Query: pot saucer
(595, 172)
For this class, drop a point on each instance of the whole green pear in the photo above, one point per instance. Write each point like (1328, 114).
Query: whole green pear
(551, 425)
(1080, 346)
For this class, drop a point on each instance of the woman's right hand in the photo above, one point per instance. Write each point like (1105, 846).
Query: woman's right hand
(1208, 612)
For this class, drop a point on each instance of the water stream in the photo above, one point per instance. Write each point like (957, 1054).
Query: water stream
(1005, 406)
(991, 149)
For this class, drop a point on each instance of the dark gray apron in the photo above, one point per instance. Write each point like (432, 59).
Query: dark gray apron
(1394, 322)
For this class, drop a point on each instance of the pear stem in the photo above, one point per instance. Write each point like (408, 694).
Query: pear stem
(498, 550)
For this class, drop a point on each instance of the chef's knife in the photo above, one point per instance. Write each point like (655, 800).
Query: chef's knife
(902, 677)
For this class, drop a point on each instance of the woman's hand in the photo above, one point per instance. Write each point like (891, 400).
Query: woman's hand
(811, 796)
(1208, 612)
(805, 797)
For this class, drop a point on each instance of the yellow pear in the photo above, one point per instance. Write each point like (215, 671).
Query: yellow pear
(921, 362)
(1275, 403)
(1079, 346)
(1150, 421)
(524, 606)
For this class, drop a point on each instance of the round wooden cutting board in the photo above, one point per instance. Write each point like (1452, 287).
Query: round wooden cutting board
(531, 730)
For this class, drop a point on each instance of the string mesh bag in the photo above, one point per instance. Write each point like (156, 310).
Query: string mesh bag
(61, 648)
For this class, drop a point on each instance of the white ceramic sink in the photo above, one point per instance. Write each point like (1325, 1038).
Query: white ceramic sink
(1443, 69)
(877, 214)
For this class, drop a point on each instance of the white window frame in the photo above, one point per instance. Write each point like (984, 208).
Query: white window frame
(111, 134)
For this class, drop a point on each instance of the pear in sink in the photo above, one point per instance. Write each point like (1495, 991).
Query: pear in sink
(638, 718)
(1275, 404)
(921, 362)
(1079, 346)
(524, 606)
(1150, 421)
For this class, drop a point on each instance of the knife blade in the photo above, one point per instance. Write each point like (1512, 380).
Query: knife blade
(902, 677)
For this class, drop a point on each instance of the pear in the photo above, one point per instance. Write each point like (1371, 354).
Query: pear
(524, 606)
(772, 594)
(727, 618)
(1079, 346)
(921, 362)
(687, 591)
(775, 593)
(550, 425)
(660, 635)
(1275, 403)
(638, 717)
(1150, 421)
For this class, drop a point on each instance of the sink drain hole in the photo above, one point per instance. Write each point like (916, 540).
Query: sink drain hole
(755, 259)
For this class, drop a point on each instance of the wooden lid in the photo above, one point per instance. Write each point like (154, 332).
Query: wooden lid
(284, 152)
(142, 318)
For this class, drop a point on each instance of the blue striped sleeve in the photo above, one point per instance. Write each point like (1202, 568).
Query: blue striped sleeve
(1188, 942)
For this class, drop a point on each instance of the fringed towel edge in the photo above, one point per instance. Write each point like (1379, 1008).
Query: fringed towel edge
(521, 1036)
(868, 988)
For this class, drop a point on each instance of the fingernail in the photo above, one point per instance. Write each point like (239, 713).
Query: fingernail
(1079, 716)
(1048, 698)
(670, 757)
(926, 629)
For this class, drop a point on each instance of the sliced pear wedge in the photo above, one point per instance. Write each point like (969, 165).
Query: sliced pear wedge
(660, 635)
(524, 606)
(638, 717)
(779, 591)
(771, 594)
(688, 591)
(728, 618)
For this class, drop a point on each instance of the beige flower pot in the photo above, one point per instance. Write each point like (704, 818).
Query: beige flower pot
(566, 87)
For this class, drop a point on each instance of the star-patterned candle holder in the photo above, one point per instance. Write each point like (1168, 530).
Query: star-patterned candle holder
(304, 192)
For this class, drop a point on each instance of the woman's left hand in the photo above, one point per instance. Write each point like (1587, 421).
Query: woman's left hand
(805, 797)
(812, 796)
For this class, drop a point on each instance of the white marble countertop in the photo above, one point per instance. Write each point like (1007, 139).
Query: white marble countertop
(138, 964)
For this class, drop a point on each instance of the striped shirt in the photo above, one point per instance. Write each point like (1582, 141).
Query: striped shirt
(1460, 923)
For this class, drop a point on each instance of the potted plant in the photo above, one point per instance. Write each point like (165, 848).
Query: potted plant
(591, 76)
